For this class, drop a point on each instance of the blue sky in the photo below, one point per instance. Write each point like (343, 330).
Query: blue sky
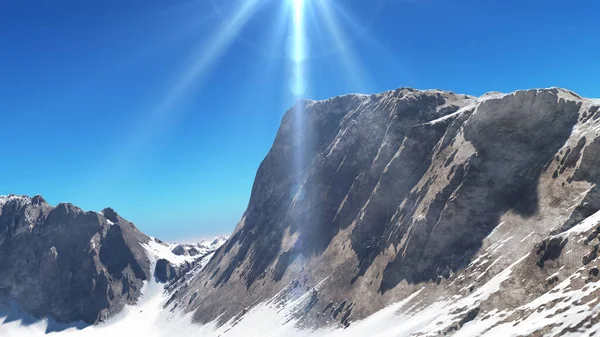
(163, 111)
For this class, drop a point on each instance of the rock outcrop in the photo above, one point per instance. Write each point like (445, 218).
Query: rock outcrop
(364, 200)
(67, 264)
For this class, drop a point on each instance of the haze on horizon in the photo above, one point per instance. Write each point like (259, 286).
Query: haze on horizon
(163, 110)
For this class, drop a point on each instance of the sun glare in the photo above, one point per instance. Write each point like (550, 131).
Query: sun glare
(298, 20)
(298, 9)
(299, 51)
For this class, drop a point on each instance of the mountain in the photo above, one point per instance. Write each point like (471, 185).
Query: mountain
(69, 264)
(367, 200)
(75, 266)
(404, 213)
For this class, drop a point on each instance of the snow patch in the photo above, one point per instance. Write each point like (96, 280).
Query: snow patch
(586, 224)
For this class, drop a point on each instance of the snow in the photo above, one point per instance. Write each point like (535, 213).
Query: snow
(270, 319)
(497, 248)
(528, 236)
(555, 310)
(569, 311)
(586, 224)
(147, 318)
(214, 244)
(560, 308)
(165, 250)
(7, 198)
(478, 260)
(488, 268)
(496, 228)
(553, 275)
(395, 320)
(452, 115)
(338, 138)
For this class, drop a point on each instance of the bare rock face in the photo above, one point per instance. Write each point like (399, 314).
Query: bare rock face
(67, 264)
(165, 271)
(364, 200)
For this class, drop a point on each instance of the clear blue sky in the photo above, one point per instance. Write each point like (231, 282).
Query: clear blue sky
(146, 105)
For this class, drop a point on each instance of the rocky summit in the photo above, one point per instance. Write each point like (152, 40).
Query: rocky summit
(71, 265)
(367, 200)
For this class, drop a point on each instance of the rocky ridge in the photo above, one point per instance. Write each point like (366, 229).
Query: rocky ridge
(383, 196)
(71, 265)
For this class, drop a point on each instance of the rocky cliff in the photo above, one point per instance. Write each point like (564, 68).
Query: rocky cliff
(71, 265)
(366, 200)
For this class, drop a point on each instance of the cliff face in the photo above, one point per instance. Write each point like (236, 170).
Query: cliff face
(363, 200)
(67, 264)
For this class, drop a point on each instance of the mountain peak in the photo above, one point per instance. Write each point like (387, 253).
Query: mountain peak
(107, 263)
(38, 199)
(395, 190)
(110, 214)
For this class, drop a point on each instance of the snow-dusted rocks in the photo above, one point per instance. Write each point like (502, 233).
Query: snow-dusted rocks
(374, 198)
(177, 260)
(67, 264)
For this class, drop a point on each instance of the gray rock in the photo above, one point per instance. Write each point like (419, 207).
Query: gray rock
(180, 250)
(67, 264)
(165, 271)
(375, 196)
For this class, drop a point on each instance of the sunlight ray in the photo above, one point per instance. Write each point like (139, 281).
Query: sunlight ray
(298, 52)
(204, 59)
(209, 52)
(165, 114)
(271, 51)
(276, 38)
(359, 31)
(352, 66)
(317, 29)
(299, 49)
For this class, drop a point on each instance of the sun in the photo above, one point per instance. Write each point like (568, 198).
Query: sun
(282, 31)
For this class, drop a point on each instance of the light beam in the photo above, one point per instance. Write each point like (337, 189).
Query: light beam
(298, 86)
(160, 118)
(359, 79)
(298, 50)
